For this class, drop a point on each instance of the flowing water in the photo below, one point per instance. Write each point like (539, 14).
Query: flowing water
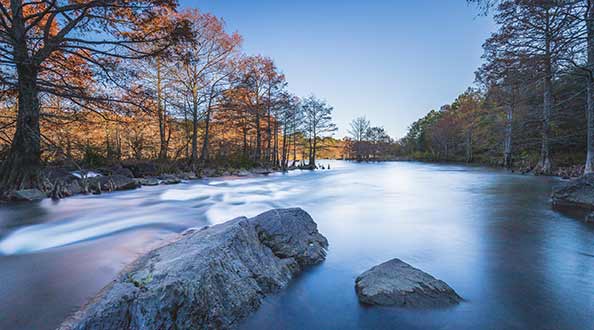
(491, 235)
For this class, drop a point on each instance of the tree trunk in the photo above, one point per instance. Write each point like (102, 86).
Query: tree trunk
(469, 155)
(194, 154)
(294, 148)
(545, 160)
(161, 115)
(204, 153)
(589, 168)
(268, 131)
(20, 169)
(312, 150)
(507, 140)
(258, 153)
(275, 148)
(245, 150)
(284, 161)
(187, 130)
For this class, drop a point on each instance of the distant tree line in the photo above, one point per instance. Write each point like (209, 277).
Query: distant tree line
(534, 105)
(369, 143)
(95, 82)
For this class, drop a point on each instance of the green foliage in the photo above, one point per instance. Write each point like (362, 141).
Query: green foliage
(141, 283)
(93, 156)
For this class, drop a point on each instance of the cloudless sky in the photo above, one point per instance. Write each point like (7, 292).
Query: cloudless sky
(390, 60)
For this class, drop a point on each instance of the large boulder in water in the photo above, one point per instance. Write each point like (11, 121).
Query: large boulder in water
(577, 193)
(396, 283)
(208, 279)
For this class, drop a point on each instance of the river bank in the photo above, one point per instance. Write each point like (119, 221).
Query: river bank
(564, 172)
(59, 182)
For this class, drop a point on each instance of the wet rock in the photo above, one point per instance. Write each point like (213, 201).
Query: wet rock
(590, 217)
(61, 183)
(27, 195)
(66, 188)
(188, 176)
(207, 279)
(110, 183)
(396, 283)
(261, 171)
(577, 193)
(169, 179)
(149, 181)
(243, 172)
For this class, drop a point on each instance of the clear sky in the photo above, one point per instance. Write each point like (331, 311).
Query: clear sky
(390, 60)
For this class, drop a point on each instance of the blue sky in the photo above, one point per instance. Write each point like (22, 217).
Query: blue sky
(390, 60)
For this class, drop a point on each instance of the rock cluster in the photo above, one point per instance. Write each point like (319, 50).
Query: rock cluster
(577, 193)
(209, 278)
(568, 172)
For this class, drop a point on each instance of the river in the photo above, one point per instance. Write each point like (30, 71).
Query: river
(490, 235)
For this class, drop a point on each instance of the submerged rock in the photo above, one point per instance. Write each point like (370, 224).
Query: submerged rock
(27, 195)
(396, 283)
(208, 279)
(577, 193)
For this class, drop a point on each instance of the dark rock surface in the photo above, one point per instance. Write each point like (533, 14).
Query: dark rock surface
(577, 193)
(210, 278)
(148, 181)
(110, 183)
(169, 179)
(396, 283)
(60, 183)
(27, 195)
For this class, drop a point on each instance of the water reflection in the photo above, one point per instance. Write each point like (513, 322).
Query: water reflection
(491, 235)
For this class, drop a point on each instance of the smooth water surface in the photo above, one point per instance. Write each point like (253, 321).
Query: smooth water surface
(491, 235)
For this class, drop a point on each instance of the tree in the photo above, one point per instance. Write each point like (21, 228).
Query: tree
(543, 31)
(317, 122)
(202, 66)
(358, 131)
(38, 39)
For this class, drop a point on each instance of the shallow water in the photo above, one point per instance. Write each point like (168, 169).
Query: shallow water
(491, 235)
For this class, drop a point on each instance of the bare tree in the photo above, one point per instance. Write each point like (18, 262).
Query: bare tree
(358, 131)
(318, 122)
